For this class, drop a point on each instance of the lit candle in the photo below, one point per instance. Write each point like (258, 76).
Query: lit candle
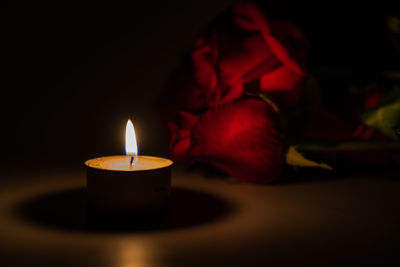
(129, 183)
(130, 142)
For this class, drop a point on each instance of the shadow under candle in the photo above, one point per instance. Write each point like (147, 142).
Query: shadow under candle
(69, 210)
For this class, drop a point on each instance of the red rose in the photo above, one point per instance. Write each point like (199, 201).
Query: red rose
(245, 47)
(244, 138)
(241, 51)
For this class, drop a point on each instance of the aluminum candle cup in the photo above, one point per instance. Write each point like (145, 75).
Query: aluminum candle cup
(115, 186)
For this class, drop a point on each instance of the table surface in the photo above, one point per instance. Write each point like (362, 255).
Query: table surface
(211, 222)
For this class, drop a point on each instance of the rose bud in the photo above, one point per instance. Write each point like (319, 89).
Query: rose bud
(279, 50)
(242, 50)
(243, 138)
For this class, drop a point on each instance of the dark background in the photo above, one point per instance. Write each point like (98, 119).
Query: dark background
(74, 73)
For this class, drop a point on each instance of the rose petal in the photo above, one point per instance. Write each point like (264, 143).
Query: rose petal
(180, 130)
(243, 138)
(252, 18)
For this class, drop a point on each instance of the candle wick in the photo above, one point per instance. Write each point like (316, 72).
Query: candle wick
(130, 165)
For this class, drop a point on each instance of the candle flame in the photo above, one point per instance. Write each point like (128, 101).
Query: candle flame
(130, 140)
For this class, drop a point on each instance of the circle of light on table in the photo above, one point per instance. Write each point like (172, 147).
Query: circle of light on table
(128, 183)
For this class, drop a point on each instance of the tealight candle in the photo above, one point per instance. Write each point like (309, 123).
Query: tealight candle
(128, 183)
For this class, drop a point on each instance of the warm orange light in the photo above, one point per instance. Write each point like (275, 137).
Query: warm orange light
(130, 140)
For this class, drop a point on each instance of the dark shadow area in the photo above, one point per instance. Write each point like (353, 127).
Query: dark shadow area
(293, 175)
(69, 210)
(297, 175)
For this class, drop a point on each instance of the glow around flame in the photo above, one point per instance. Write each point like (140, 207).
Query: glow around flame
(130, 140)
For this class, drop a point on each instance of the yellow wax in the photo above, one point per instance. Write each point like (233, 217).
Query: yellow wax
(122, 163)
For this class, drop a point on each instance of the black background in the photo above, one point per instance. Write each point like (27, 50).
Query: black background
(74, 74)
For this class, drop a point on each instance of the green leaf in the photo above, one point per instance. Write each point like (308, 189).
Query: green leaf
(294, 158)
(386, 116)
